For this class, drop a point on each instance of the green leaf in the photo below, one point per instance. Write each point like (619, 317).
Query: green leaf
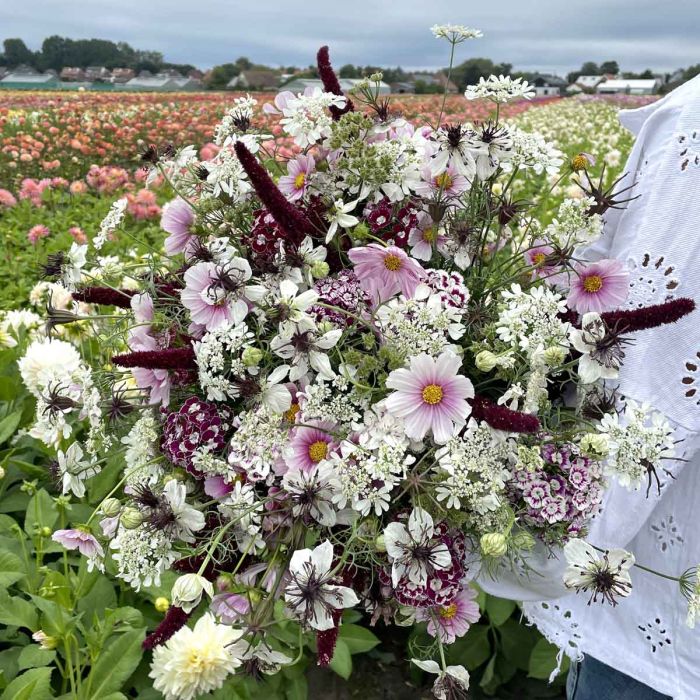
(41, 512)
(487, 676)
(297, 688)
(341, 662)
(499, 610)
(517, 642)
(17, 611)
(115, 664)
(471, 650)
(34, 684)
(100, 597)
(358, 639)
(11, 569)
(9, 425)
(33, 656)
(543, 660)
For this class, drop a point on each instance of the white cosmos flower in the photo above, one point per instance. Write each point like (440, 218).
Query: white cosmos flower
(71, 270)
(340, 217)
(453, 678)
(188, 590)
(599, 359)
(602, 574)
(195, 661)
(412, 550)
(273, 395)
(310, 593)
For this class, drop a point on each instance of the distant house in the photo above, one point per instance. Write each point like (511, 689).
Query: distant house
(97, 74)
(3, 72)
(548, 85)
(122, 75)
(150, 83)
(403, 88)
(255, 80)
(72, 75)
(300, 84)
(629, 87)
(28, 81)
(188, 83)
(588, 83)
(196, 74)
(436, 80)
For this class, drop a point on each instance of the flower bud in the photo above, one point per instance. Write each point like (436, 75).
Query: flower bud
(161, 604)
(595, 445)
(45, 531)
(131, 518)
(251, 357)
(188, 589)
(554, 356)
(2, 473)
(320, 269)
(377, 77)
(44, 641)
(380, 543)
(523, 540)
(494, 544)
(111, 507)
(486, 360)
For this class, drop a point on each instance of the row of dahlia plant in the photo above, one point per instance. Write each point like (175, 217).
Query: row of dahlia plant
(357, 378)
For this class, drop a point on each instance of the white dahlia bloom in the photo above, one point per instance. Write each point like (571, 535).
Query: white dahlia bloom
(195, 661)
(48, 362)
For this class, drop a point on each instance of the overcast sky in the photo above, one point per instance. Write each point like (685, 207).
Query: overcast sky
(548, 35)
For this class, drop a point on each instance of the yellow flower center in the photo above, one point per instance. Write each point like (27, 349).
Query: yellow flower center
(444, 181)
(429, 235)
(594, 283)
(195, 661)
(538, 258)
(291, 413)
(432, 394)
(392, 262)
(318, 450)
(299, 180)
(447, 612)
(579, 162)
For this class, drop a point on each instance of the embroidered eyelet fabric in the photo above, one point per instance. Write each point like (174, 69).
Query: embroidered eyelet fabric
(658, 234)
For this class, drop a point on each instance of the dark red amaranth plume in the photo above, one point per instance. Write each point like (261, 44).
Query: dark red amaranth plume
(106, 296)
(503, 418)
(192, 565)
(330, 82)
(570, 316)
(173, 621)
(649, 317)
(326, 640)
(292, 221)
(170, 358)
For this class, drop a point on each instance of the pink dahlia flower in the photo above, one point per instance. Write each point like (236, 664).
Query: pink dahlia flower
(386, 271)
(431, 396)
(7, 199)
(310, 444)
(37, 232)
(294, 183)
(598, 286)
(177, 220)
(453, 619)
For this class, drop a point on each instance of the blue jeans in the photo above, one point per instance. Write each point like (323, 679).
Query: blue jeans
(592, 680)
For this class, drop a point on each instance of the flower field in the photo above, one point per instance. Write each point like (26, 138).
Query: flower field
(78, 623)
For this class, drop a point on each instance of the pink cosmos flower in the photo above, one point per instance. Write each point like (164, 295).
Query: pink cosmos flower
(454, 619)
(598, 286)
(431, 395)
(83, 541)
(425, 236)
(386, 271)
(448, 183)
(156, 381)
(177, 220)
(37, 232)
(294, 183)
(216, 487)
(230, 607)
(536, 257)
(216, 295)
(310, 444)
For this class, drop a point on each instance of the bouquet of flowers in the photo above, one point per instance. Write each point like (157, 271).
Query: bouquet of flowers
(357, 377)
